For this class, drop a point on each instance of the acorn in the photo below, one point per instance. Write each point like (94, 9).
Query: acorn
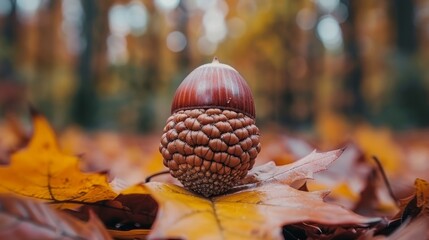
(210, 140)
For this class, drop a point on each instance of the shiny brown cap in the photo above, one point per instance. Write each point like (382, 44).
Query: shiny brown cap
(214, 85)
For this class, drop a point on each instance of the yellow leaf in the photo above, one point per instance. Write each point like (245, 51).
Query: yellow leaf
(340, 190)
(257, 208)
(43, 171)
(154, 163)
(135, 189)
(254, 213)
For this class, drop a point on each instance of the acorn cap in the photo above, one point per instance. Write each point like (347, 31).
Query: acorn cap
(214, 85)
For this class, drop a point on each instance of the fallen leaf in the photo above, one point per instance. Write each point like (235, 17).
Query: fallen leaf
(291, 173)
(313, 231)
(256, 211)
(13, 137)
(368, 201)
(134, 210)
(42, 171)
(422, 194)
(345, 178)
(412, 208)
(125, 212)
(129, 159)
(380, 143)
(282, 148)
(24, 218)
(418, 204)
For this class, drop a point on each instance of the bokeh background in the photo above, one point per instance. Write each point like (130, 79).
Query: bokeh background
(115, 64)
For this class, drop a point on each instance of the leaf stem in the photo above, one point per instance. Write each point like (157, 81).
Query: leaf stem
(386, 181)
(149, 178)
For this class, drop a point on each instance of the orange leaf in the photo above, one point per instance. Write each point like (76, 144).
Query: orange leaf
(257, 211)
(42, 171)
(28, 219)
(422, 194)
(417, 204)
(380, 143)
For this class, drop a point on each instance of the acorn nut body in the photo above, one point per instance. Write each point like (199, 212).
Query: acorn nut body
(211, 141)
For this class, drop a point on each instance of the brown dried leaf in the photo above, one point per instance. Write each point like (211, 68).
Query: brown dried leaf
(290, 173)
(125, 212)
(413, 208)
(23, 218)
(417, 204)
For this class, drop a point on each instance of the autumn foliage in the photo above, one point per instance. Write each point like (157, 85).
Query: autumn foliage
(45, 194)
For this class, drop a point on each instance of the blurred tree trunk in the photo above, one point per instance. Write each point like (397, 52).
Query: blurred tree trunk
(409, 102)
(85, 101)
(353, 73)
(404, 17)
(183, 19)
(10, 26)
(12, 93)
(92, 62)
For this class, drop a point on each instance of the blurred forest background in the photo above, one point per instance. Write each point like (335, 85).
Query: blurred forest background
(115, 64)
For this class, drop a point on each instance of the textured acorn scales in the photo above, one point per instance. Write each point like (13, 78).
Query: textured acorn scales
(209, 150)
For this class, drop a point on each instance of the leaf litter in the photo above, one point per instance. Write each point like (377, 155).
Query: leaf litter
(272, 202)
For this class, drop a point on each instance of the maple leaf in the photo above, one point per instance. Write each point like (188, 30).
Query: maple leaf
(257, 210)
(42, 171)
(22, 218)
(296, 171)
